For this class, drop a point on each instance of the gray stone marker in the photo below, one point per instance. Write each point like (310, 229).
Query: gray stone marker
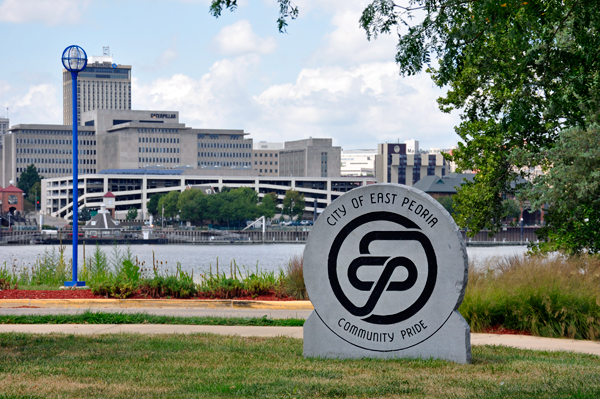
(386, 268)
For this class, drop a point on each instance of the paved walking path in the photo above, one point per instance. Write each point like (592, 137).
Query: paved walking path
(223, 308)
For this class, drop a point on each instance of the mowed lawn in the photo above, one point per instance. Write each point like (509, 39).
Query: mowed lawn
(212, 366)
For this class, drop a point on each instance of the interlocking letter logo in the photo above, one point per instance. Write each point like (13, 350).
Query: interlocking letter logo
(390, 263)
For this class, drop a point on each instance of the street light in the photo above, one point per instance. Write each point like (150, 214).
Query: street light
(74, 60)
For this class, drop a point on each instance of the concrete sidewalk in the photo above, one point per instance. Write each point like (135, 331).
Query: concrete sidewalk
(516, 341)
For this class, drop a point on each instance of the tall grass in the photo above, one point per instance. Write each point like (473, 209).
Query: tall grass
(550, 297)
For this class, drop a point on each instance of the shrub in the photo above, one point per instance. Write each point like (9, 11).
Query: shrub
(294, 278)
(553, 297)
(180, 285)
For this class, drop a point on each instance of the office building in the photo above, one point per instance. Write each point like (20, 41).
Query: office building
(125, 139)
(4, 125)
(266, 158)
(358, 162)
(101, 85)
(394, 164)
(310, 158)
(134, 188)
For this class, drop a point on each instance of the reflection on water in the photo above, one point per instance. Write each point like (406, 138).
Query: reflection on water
(269, 257)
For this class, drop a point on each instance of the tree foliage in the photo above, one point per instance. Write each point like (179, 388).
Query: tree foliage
(84, 214)
(447, 202)
(519, 72)
(132, 214)
(152, 204)
(570, 191)
(268, 206)
(286, 10)
(169, 203)
(293, 204)
(29, 178)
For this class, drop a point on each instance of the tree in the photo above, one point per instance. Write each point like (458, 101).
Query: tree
(192, 204)
(447, 202)
(293, 204)
(132, 214)
(570, 191)
(152, 204)
(519, 73)
(84, 214)
(169, 204)
(29, 178)
(511, 209)
(268, 206)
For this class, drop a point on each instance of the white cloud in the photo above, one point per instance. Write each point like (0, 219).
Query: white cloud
(219, 99)
(40, 104)
(357, 106)
(239, 39)
(53, 12)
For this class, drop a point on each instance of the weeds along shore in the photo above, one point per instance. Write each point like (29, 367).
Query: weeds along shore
(548, 297)
(119, 274)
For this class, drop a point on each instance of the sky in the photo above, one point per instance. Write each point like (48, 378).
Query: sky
(322, 78)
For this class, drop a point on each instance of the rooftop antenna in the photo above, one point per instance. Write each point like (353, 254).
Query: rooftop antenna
(106, 51)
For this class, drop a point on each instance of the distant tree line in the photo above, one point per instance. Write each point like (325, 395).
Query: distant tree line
(230, 206)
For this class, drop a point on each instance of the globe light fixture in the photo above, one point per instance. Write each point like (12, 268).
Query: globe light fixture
(74, 60)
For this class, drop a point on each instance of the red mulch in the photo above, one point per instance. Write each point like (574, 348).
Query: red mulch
(87, 294)
(502, 330)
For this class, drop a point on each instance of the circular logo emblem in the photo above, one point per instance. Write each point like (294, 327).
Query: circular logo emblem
(397, 148)
(384, 267)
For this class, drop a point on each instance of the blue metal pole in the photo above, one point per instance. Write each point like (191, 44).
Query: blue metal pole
(75, 180)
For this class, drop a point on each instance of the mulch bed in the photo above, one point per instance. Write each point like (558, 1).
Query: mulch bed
(502, 330)
(87, 294)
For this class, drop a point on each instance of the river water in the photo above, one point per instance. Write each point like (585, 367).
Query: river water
(199, 258)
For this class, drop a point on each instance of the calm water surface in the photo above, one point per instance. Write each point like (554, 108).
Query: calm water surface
(269, 257)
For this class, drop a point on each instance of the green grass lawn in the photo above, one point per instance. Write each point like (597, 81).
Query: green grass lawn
(211, 366)
(89, 317)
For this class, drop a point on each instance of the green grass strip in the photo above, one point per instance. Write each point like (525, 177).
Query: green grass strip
(216, 366)
(89, 317)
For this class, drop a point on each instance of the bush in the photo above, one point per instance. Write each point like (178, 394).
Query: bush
(294, 278)
(180, 285)
(547, 297)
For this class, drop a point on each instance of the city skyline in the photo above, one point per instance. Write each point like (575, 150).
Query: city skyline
(321, 79)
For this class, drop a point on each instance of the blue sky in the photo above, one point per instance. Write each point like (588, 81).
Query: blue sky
(322, 78)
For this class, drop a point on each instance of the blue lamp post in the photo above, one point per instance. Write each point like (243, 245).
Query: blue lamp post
(74, 60)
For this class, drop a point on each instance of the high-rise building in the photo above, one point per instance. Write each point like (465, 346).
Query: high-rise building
(4, 125)
(101, 85)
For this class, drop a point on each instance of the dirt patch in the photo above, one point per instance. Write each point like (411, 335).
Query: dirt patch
(87, 294)
(502, 330)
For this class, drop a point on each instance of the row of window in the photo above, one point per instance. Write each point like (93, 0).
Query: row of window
(153, 130)
(261, 162)
(161, 150)
(223, 145)
(260, 155)
(161, 160)
(58, 170)
(54, 132)
(161, 140)
(222, 163)
(270, 171)
(29, 161)
(224, 154)
(54, 142)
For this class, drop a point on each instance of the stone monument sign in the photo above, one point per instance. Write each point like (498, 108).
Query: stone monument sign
(385, 267)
